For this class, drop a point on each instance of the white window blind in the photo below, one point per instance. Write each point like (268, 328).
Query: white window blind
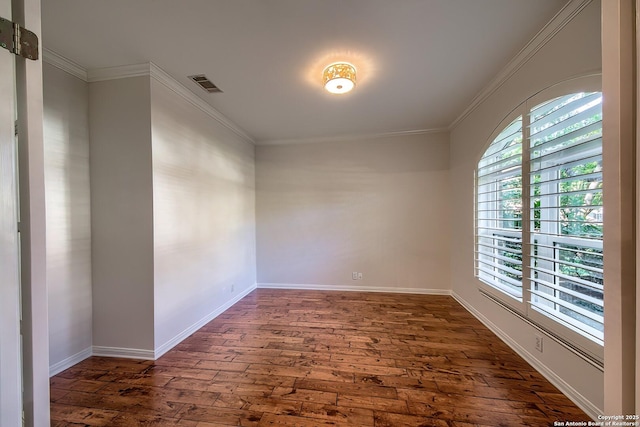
(539, 217)
(566, 214)
(499, 212)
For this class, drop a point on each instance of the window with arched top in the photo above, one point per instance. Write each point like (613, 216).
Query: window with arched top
(539, 214)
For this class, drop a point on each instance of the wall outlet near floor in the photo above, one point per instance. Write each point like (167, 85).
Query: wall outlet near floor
(359, 276)
(539, 343)
(354, 275)
(233, 287)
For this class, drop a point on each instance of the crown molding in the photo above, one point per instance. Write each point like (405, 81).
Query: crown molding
(553, 27)
(138, 70)
(119, 72)
(64, 64)
(170, 83)
(352, 137)
(152, 70)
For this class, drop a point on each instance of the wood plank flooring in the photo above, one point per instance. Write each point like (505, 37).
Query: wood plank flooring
(312, 358)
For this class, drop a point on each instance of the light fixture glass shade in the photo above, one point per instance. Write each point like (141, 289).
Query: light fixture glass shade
(339, 77)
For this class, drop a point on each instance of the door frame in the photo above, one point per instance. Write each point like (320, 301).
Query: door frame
(10, 345)
(32, 217)
(619, 133)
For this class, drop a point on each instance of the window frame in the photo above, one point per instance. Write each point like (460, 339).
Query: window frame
(523, 306)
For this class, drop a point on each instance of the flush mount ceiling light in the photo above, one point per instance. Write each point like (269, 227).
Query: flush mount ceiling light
(339, 77)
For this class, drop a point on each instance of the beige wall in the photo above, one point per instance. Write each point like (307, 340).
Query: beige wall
(121, 213)
(203, 215)
(66, 156)
(172, 214)
(378, 206)
(574, 51)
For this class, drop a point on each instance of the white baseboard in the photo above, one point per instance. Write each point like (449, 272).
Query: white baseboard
(62, 365)
(200, 323)
(582, 402)
(137, 353)
(389, 289)
(127, 353)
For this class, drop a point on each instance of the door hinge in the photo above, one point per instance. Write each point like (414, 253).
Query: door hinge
(18, 40)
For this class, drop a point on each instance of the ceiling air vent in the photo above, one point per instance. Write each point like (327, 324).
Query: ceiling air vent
(202, 81)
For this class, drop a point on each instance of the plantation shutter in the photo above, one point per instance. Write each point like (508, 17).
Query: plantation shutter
(566, 214)
(499, 212)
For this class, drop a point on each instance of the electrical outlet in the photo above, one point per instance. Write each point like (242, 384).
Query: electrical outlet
(359, 276)
(539, 343)
(354, 275)
(233, 287)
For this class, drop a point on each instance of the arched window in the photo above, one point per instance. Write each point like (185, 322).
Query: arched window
(539, 216)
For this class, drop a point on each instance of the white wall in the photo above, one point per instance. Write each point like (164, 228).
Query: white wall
(203, 215)
(378, 206)
(575, 50)
(66, 157)
(121, 214)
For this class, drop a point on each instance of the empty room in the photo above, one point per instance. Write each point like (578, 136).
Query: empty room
(319, 212)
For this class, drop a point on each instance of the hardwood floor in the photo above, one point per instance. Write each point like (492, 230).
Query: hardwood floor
(311, 358)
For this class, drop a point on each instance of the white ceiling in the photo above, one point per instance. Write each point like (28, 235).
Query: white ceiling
(419, 62)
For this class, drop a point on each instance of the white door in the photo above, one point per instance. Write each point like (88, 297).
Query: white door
(10, 345)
